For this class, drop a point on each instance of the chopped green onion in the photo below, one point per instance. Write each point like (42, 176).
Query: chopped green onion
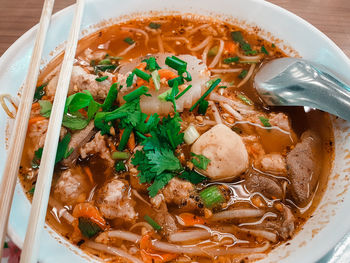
(213, 51)
(210, 82)
(136, 93)
(191, 134)
(251, 52)
(265, 121)
(6, 245)
(31, 191)
(212, 196)
(238, 37)
(120, 155)
(129, 40)
(130, 79)
(120, 166)
(222, 87)
(152, 64)
(263, 50)
(111, 97)
(156, 79)
(203, 106)
(212, 87)
(176, 64)
(101, 79)
(141, 74)
(273, 45)
(154, 25)
(98, 68)
(153, 223)
(87, 227)
(162, 97)
(125, 138)
(231, 60)
(243, 73)
(245, 99)
(188, 76)
(179, 81)
(183, 92)
(106, 61)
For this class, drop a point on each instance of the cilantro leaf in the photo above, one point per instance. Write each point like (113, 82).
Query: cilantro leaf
(45, 108)
(265, 121)
(200, 161)
(238, 37)
(74, 121)
(36, 159)
(62, 148)
(163, 160)
(159, 183)
(192, 176)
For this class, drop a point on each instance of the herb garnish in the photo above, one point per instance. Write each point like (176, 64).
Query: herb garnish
(200, 161)
(243, 74)
(265, 121)
(129, 40)
(264, 50)
(231, 60)
(154, 25)
(39, 92)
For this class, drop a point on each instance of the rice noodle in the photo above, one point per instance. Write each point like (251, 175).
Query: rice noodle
(248, 58)
(242, 108)
(189, 235)
(201, 45)
(169, 48)
(9, 98)
(215, 112)
(138, 31)
(140, 197)
(225, 70)
(62, 211)
(176, 39)
(205, 53)
(237, 213)
(112, 250)
(124, 235)
(127, 50)
(207, 122)
(261, 233)
(247, 77)
(141, 224)
(232, 111)
(160, 44)
(194, 30)
(218, 55)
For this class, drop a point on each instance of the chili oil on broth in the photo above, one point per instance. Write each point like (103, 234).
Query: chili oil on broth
(173, 30)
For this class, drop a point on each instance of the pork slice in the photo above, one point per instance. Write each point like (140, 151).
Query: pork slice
(303, 167)
(177, 192)
(165, 220)
(72, 186)
(79, 139)
(265, 185)
(114, 201)
(97, 146)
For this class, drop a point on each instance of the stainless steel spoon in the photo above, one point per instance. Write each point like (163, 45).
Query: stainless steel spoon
(298, 82)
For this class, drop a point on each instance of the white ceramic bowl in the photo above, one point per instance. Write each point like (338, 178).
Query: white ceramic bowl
(329, 222)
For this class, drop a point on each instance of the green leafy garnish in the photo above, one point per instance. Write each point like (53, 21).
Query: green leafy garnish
(202, 107)
(154, 25)
(243, 74)
(100, 79)
(36, 159)
(45, 108)
(111, 97)
(238, 37)
(129, 40)
(265, 121)
(213, 51)
(264, 50)
(183, 92)
(231, 60)
(157, 162)
(88, 228)
(120, 166)
(62, 150)
(6, 245)
(153, 223)
(74, 121)
(200, 161)
(31, 191)
(39, 92)
(245, 99)
(192, 176)
(211, 88)
(170, 95)
(273, 45)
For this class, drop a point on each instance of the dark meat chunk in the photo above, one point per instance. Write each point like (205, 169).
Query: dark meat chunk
(265, 185)
(79, 139)
(303, 167)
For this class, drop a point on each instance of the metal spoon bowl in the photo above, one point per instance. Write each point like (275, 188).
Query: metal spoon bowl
(298, 82)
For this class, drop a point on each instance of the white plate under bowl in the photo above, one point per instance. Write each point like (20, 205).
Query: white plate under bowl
(329, 222)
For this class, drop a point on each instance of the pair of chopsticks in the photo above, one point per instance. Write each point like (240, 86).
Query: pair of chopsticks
(42, 189)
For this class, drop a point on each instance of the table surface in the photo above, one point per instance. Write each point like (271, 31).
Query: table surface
(330, 16)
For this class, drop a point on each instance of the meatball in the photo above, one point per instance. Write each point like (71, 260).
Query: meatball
(226, 151)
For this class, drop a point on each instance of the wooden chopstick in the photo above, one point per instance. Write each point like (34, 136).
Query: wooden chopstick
(47, 163)
(14, 156)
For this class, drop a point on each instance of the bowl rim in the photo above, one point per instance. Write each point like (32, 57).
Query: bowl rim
(317, 254)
